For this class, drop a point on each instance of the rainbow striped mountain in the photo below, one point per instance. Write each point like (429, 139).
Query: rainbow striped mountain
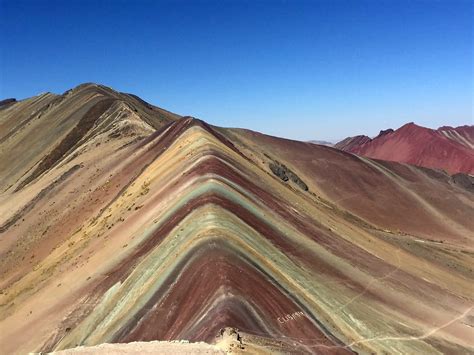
(122, 222)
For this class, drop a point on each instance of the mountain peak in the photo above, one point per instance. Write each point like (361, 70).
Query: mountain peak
(350, 142)
(411, 125)
(383, 132)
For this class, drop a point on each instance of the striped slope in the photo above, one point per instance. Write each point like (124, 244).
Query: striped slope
(191, 229)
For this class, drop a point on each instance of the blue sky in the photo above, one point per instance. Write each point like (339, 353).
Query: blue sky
(298, 69)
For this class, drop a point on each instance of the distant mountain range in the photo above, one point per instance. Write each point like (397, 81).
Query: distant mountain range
(447, 148)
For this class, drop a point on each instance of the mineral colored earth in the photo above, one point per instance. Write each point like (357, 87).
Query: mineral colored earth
(125, 228)
(447, 148)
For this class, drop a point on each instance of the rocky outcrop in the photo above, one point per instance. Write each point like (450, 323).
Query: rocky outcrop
(286, 174)
(384, 132)
(464, 180)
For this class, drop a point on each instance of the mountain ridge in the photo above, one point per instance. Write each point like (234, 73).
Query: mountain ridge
(446, 148)
(181, 230)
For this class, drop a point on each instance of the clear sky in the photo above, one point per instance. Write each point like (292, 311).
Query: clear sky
(298, 69)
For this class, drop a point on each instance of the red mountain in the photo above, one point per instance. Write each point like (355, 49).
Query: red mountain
(462, 134)
(448, 148)
(352, 142)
